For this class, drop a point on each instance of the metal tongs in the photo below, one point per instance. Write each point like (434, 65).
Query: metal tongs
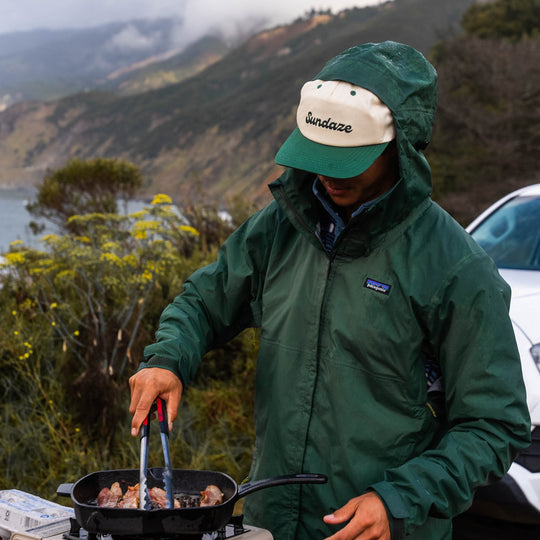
(144, 496)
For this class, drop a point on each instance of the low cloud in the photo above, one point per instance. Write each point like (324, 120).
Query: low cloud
(16, 15)
(130, 38)
(233, 18)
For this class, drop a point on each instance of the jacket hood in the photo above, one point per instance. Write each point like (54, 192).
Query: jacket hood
(402, 79)
(406, 83)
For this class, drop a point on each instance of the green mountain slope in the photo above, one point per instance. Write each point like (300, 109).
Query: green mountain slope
(151, 74)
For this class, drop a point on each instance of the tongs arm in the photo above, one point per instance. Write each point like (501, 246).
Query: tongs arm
(144, 496)
(164, 432)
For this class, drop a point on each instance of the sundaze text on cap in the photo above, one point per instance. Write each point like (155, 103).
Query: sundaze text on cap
(328, 123)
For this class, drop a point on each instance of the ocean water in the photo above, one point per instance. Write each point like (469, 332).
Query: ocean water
(15, 219)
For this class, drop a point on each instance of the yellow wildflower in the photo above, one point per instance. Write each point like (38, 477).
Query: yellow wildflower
(109, 246)
(149, 225)
(111, 257)
(130, 259)
(49, 238)
(161, 198)
(192, 230)
(141, 214)
(14, 258)
(65, 274)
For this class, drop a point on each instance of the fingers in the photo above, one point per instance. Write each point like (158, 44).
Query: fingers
(366, 517)
(148, 384)
(140, 409)
(343, 514)
(173, 402)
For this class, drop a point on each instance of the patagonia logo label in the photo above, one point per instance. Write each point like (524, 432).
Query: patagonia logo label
(377, 286)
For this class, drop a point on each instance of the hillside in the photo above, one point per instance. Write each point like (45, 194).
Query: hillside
(217, 131)
(153, 73)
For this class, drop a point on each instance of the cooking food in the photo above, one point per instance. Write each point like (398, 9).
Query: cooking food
(110, 497)
(211, 496)
(113, 497)
(130, 499)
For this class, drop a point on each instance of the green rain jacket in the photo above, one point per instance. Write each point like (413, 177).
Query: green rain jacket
(341, 387)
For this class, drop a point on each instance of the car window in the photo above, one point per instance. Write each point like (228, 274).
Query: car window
(511, 235)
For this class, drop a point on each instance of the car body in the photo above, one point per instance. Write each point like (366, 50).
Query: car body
(509, 231)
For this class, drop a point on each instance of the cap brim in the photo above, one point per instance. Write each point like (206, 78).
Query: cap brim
(299, 152)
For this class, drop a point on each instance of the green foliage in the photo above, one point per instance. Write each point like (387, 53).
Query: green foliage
(503, 19)
(41, 441)
(94, 288)
(486, 135)
(75, 319)
(82, 187)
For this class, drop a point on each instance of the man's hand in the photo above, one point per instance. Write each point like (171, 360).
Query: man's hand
(367, 519)
(147, 385)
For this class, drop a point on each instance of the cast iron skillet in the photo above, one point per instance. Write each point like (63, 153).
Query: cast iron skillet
(166, 521)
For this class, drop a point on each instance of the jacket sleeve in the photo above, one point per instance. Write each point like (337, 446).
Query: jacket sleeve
(217, 301)
(487, 420)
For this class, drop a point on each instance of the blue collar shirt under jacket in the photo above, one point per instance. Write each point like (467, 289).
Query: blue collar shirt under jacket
(331, 224)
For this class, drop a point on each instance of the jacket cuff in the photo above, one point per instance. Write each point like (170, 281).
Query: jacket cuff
(395, 508)
(164, 363)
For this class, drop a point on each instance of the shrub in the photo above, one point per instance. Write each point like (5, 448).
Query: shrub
(76, 316)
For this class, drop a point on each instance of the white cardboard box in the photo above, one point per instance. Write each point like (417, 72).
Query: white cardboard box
(21, 511)
(51, 531)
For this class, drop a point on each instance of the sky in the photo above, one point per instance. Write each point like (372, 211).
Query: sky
(20, 15)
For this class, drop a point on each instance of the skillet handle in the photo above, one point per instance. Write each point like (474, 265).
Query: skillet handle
(64, 490)
(306, 478)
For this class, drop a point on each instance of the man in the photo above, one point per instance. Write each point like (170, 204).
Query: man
(387, 359)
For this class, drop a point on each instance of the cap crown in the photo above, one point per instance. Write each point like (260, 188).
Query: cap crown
(338, 113)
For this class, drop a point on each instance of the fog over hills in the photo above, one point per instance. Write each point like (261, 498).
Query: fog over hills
(49, 64)
(49, 50)
(200, 15)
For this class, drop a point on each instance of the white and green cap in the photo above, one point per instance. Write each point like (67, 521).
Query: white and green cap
(341, 130)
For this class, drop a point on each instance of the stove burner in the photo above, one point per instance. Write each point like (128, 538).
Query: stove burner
(233, 529)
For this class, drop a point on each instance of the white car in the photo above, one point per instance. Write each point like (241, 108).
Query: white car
(509, 231)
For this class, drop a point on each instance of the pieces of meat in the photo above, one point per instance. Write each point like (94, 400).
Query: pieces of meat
(114, 498)
(159, 498)
(110, 497)
(211, 496)
(130, 498)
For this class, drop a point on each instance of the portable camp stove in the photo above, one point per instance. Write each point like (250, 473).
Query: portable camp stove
(234, 529)
(27, 517)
